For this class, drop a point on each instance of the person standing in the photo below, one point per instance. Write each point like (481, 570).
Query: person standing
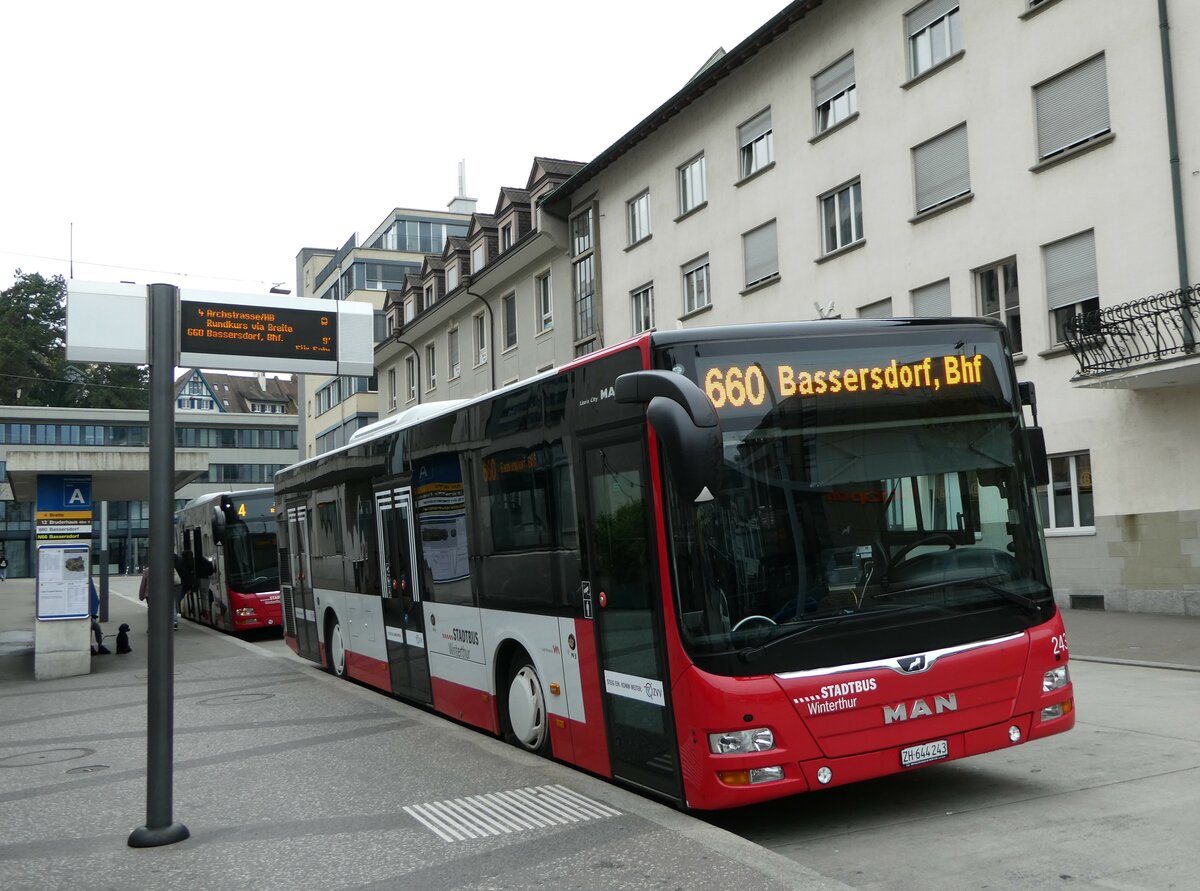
(3, 566)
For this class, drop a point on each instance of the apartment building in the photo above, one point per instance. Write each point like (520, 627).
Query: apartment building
(493, 308)
(1034, 161)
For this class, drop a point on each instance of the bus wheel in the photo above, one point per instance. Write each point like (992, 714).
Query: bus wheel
(335, 648)
(525, 708)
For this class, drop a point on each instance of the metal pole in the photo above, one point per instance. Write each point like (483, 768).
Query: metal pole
(1164, 30)
(103, 556)
(159, 828)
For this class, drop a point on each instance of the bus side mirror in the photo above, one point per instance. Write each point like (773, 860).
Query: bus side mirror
(1035, 439)
(218, 524)
(686, 425)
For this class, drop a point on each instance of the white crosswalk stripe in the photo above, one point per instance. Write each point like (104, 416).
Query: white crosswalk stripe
(496, 813)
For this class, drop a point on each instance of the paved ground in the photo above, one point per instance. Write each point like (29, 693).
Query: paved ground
(286, 777)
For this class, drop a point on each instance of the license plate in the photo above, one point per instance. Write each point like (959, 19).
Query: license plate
(924, 753)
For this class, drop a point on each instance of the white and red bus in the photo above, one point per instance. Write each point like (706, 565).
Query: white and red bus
(719, 565)
(230, 537)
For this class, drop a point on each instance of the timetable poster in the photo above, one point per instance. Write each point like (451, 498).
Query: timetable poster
(62, 582)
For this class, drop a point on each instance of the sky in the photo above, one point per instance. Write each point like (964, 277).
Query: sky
(204, 145)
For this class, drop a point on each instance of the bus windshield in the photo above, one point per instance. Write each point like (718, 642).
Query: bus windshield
(251, 557)
(873, 502)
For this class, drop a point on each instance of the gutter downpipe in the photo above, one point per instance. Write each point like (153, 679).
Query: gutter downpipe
(1164, 28)
(417, 360)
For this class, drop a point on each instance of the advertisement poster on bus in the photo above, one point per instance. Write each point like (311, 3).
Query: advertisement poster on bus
(442, 517)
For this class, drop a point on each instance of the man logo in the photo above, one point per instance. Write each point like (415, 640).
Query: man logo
(911, 664)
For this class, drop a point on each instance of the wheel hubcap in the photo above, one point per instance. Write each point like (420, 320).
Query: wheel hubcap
(338, 648)
(527, 708)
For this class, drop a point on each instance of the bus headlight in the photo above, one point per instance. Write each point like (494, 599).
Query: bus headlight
(1055, 679)
(739, 742)
(243, 612)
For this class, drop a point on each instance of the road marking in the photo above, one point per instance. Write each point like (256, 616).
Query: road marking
(480, 816)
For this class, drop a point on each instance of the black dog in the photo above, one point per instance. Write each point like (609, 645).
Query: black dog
(123, 639)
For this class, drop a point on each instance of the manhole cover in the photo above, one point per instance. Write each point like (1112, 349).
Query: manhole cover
(237, 698)
(44, 756)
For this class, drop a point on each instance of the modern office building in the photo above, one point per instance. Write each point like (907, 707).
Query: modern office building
(245, 426)
(1034, 161)
(332, 407)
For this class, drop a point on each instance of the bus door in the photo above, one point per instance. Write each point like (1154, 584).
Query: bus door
(627, 607)
(303, 608)
(403, 611)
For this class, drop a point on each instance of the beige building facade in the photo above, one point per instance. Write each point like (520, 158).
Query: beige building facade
(1037, 162)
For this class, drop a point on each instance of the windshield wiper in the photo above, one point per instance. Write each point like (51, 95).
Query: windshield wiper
(990, 582)
(752, 654)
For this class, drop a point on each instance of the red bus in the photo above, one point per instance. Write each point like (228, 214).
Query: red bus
(231, 539)
(718, 565)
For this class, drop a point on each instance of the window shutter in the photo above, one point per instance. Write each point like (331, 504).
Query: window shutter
(835, 79)
(1072, 107)
(928, 13)
(1071, 270)
(941, 168)
(880, 310)
(755, 128)
(932, 300)
(762, 257)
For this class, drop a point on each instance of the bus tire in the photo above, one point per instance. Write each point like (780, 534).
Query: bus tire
(335, 646)
(526, 722)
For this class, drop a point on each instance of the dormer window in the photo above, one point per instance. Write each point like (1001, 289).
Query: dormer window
(430, 295)
(506, 237)
(451, 277)
(478, 257)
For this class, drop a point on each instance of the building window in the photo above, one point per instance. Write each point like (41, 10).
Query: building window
(506, 237)
(755, 143)
(410, 377)
(508, 325)
(480, 340)
(637, 212)
(1071, 282)
(881, 309)
(430, 295)
(581, 233)
(583, 281)
(933, 34)
(941, 172)
(760, 254)
(545, 301)
(393, 392)
(1066, 503)
(834, 95)
(695, 285)
(1000, 297)
(452, 353)
(643, 309)
(1072, 108)
(451, 277)
(430, 367)
(692, 191)
(841, 217)
(409, 310)
(932, 300)
(478, 257)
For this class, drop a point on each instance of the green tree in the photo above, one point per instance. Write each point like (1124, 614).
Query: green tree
(33, 365)
(32, 332)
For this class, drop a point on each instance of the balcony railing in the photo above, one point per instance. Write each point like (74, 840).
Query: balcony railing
(1135, 334)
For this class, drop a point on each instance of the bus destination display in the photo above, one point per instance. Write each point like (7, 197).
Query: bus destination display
(268, 332)
(752, 383)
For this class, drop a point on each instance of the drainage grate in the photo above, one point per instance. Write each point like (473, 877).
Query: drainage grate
(498, 813)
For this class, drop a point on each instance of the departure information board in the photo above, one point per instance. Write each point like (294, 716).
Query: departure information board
(229, 329)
